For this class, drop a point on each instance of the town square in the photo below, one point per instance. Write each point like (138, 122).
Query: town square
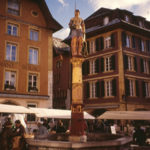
(74, 75)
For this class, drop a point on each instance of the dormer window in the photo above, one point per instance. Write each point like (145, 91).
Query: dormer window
(127, 18)
(106, 20)
(140, 24)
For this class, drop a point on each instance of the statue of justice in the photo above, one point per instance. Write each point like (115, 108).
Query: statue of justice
(77, 28)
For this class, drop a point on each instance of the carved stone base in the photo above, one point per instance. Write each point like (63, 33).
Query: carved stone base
(77, 120)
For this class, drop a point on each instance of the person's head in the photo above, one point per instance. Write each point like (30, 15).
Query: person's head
(77, 12)
(17, 123)
(39, 123)
(8, 124)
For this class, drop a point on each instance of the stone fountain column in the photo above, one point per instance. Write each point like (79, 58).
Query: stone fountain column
(77, 107)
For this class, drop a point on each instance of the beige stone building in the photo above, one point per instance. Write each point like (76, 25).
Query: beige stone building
(26, 53)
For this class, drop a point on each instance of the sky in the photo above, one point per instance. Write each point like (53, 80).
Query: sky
(63, 10)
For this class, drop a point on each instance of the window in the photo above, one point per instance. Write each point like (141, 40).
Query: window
(132, 87)
(10, 80)
(92, 66)
(33, 56)
(108, 42)
(140, 24)
(106, 20)
(145, 66)
(32, 83)
(58, 64)
(127, 18)
(14, 7)
(131, 63)
(107, 63)
(92, 46)
(147, 89)
(108, 88)
(11, 52)
(34, 13)
(92, 89)
(12, 29)
(125, 40)
(31, 117)
(34, 35)
(142, 45)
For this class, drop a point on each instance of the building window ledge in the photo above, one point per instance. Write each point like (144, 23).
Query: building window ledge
(9, 87)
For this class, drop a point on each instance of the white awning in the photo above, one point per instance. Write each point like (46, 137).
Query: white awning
(57, 113)
(125, 115)
(14, 109)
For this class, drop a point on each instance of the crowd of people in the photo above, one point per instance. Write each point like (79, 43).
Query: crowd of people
(12, 136)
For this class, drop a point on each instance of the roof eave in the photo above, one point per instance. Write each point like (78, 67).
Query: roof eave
(51, 22)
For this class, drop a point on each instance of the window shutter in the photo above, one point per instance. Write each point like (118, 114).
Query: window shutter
(143, 89)
(97, 68)
(140, 44)
(88, 47)
(88, 67)
(114, 87)
(102, 89)
(149, 65)
(97, 89)
(148, 45)
(113, 62)
(142, 65)
(133, 42)
(97, 44)
(113, 40)
(125, 62)
(102, 64)
(135, 64)
(137, 88)
(87, 90)
(101, 43)
(124, 43)
(127, 88)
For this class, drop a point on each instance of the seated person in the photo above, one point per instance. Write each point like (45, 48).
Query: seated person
(42, 132)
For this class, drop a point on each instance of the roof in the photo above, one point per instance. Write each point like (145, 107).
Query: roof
(103, 11)
(51, 22)
(114, 24)
(126, 115)
(59, 45)
(99, 12)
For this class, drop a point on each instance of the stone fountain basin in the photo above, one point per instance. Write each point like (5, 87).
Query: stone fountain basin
(94, 142)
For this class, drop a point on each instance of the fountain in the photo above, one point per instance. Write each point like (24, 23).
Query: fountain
(78, 139)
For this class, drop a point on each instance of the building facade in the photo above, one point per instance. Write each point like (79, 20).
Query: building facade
(62, 75)
(26, 54)
(116, 73)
